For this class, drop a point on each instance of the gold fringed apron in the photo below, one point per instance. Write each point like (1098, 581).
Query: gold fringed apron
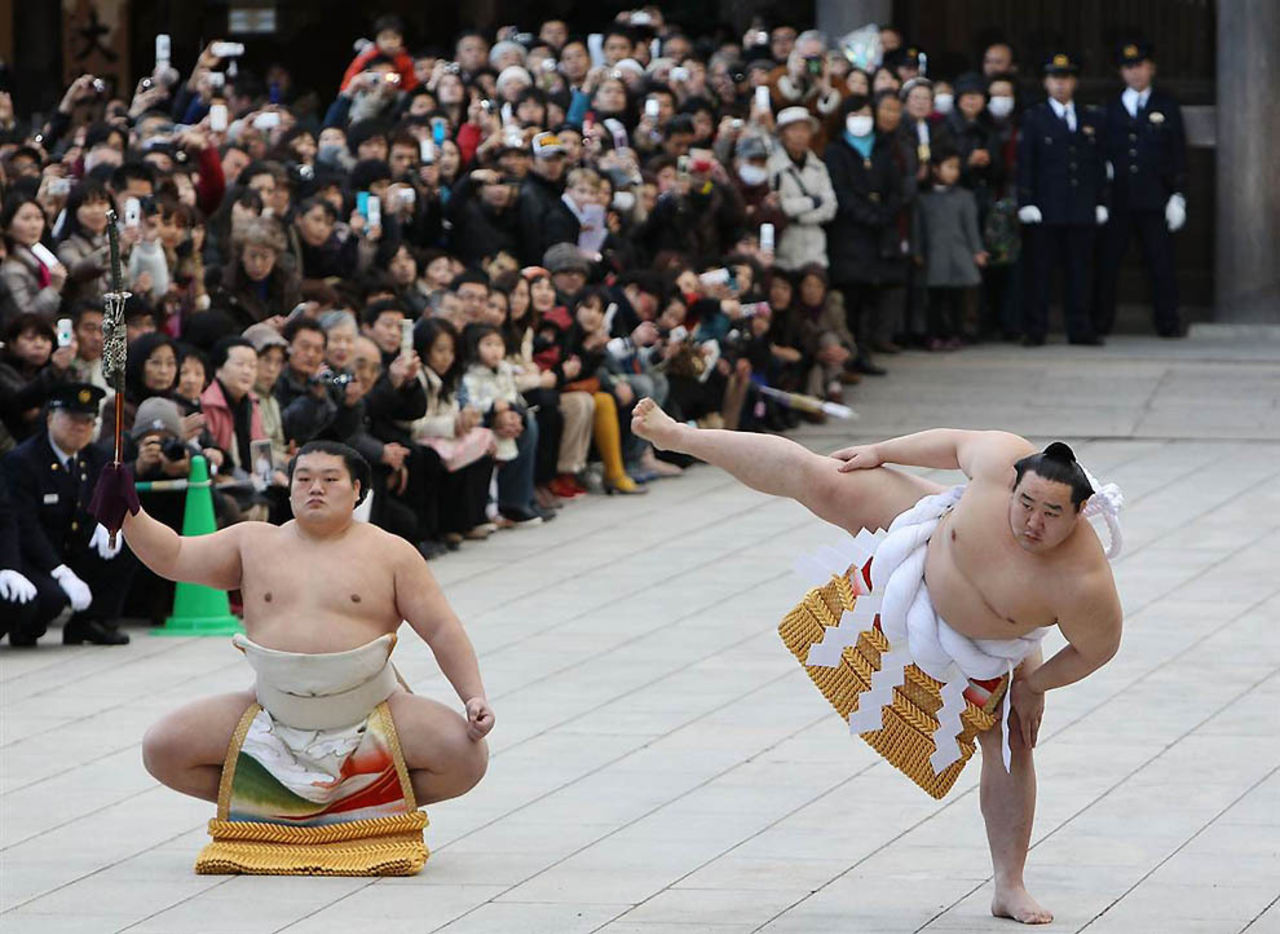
(907, 739)
(315, 800)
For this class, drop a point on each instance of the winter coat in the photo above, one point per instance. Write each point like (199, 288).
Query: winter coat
(244, 300)
(23, 391)
(88, 266)
(984, 181)
(483, 387)
(388, 409)
(545, 220)
(220, 423)
(701, 227)
(20, 289)
(864, 243)
(947, 223)
(812, 324)
(478, 230)
(808, 201)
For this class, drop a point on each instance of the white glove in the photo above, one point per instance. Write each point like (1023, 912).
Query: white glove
(102, 542)
(1175, 212)
(1111, 171)
(1101, 213)
(75, 589)
(15, 587)
(1029, 214)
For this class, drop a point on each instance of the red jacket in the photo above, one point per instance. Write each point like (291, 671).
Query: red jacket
(220, 423)
(404, 65)
(213, 184)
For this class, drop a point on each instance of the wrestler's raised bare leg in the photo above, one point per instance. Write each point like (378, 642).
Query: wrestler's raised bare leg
(185, 750)
(1008, 807)
(443, 761)
(781, 467)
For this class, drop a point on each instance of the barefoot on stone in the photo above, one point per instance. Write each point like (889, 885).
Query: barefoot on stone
(648, 421)
(1017, 903)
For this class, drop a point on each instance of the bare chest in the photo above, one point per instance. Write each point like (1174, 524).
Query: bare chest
(982, 583)
(317, 598)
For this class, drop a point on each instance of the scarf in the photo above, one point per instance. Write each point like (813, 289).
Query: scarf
(862, 144)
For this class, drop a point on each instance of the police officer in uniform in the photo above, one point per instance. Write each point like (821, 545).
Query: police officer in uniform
(1062, 197)
(65, 553)
(1146, 147)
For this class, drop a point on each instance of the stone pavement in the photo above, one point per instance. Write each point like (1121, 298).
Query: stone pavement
(662, 765)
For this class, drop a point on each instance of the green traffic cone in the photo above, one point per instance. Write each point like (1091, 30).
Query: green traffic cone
(199, 610)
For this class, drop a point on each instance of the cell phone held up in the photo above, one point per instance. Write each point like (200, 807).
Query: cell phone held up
(406, 337)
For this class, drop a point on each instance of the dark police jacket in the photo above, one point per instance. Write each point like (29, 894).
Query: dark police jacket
(1148, 152)
(52, 504)
(1060, 172)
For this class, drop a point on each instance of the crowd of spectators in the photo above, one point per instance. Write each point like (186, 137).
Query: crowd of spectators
(475, 260)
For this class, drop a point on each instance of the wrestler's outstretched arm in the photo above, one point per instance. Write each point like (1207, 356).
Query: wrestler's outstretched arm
(212, 560)
(423, 605)
(977, 453)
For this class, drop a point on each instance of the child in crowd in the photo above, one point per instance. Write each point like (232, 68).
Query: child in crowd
(465, 446)
(489, 385)
(950, 250)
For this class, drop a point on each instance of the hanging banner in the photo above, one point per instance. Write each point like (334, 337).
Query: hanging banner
(95, 39)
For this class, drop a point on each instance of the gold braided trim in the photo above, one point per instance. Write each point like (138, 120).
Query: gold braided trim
(906, 739)
(233, 756)
(364, 829)
(381, 846)
(383, 712)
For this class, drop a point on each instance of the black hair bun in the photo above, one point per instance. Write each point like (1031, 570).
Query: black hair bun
(1059, 451)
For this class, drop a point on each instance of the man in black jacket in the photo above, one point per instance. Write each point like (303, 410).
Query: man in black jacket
(65, 553)
(1146, 148)
(545, 219)
(1062, 193)
(407, 476)
(482, 209)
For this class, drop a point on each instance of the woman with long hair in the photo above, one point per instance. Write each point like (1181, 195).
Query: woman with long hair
(27, 283)
(536, 385)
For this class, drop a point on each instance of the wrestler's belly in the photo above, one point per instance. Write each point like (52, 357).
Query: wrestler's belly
(960, 602)
(307, 629)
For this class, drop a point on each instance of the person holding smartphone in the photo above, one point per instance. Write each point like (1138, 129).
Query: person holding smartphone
(31, 278)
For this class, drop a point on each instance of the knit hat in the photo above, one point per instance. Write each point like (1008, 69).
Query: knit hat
(157, 414)
(263, 335)
(566, 257)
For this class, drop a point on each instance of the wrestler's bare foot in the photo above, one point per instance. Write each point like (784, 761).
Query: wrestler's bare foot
(648, 421)
(1014, 901)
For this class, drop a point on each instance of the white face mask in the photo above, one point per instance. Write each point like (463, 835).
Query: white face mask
(1000, 107)
(943, 103)
(623, 200)
(859, 124)
(753, 174)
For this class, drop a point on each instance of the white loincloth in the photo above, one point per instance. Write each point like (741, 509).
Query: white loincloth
(916, 633)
